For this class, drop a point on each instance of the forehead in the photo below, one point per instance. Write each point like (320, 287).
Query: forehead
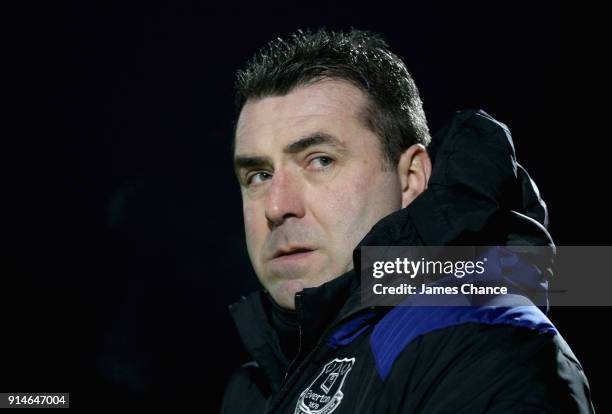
(329, 105)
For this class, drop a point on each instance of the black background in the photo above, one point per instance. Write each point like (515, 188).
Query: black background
(124, 219)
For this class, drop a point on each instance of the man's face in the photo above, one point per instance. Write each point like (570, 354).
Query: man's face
(312, 183)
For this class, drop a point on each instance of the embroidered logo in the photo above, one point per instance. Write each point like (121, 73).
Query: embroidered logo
(325, 393)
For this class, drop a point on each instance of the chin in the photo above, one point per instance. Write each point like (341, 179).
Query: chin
(284, 292)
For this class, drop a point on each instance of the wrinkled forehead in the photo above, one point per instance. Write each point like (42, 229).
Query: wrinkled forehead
(269, 123)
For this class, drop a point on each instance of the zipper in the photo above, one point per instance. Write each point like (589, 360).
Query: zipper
(298, 306)
(299, 351)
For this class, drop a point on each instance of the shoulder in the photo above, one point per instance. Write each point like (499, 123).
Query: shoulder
(451, 325)
(491, 356)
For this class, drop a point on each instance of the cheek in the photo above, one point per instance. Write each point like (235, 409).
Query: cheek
(254, 228)
(356, 203)
(342, 208)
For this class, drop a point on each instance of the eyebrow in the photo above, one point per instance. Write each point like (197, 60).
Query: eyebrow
(316, 138)
(301, 144)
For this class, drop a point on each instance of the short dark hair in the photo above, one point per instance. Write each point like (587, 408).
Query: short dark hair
(394, 110)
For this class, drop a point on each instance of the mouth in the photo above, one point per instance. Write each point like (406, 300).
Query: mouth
(292, 253)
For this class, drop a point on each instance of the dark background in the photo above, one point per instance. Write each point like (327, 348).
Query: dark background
(124, 219)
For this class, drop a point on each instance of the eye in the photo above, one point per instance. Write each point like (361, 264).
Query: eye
(258, 177)
(321, 162)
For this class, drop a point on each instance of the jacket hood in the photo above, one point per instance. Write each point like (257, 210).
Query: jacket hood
(478, 195)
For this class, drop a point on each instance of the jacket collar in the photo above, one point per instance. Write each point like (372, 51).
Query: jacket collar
(317, 309)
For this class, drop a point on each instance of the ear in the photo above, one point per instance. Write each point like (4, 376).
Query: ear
(414, 170)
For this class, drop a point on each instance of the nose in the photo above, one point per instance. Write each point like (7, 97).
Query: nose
(284, 199)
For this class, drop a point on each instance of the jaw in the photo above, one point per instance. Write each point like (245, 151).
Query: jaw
(283, 292)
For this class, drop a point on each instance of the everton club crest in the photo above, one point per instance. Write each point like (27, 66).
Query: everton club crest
(325, 392)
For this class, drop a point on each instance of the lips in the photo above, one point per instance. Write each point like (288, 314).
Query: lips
(291, 251)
